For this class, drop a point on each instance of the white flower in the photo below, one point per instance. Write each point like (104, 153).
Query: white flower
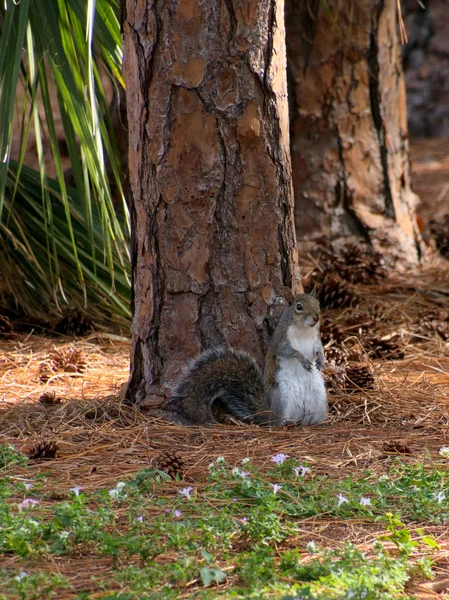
(276, 487)
(237, 473)
(139, 519)
(365, 501)
(186, 491)
(177, 513)
(279, 458)
(311, 547)
(301, 471)
(440, 497)
(384, 478)
(64, 535)
(27, 502)
(28, 486)
(220, 460)
(245, 461)
(115, 492)
(444, 451)
(341, 499)
(21, 576)
(76, 490)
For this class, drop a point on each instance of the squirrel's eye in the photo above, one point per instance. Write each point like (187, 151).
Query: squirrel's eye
(298, 306)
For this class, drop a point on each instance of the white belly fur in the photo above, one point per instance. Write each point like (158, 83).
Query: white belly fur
(303, 393)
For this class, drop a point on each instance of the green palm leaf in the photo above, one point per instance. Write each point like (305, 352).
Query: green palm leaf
(68, 244)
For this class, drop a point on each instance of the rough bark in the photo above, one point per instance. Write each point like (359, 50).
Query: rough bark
(212, 210)
(349, 138)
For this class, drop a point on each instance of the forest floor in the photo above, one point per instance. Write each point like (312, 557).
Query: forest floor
(356, 508)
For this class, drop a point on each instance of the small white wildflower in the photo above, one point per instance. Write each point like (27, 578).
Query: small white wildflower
(115, 492)
(341, 499)
(279, 458)
(245, 461)
(27, 502)
(311, 547)
(64, 535)
(444, 451)
(28, 486)
(76, 490)
(21, 576)
(301, 471)
(237, 473)
(186, 491)
(140, 519)
(220, 460)
(440, 497)
(177, 513)
(384, 478)
(244, 520)
(365, 501)
(276, 487)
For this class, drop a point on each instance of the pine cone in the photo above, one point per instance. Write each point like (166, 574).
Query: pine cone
(440, 232)
(49, 398)
(170, 462)
(396, 447)
(360, 264)
(335, 293)
(359, 377)
(43, 450)
(330, 331)
(359, 322)
(435, 321)
(6, 327)
(336, 355)
(75, 322)
(334, 376)
(387, 349)
(67, 361)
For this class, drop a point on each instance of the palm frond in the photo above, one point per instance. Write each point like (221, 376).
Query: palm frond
(74, 240)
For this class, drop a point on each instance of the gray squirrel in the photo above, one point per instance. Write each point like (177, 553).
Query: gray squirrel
(223, 383)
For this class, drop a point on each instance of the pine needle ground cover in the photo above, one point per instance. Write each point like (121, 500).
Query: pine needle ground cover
(100, 501)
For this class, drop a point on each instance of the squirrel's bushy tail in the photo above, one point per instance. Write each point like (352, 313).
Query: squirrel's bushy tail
(219, 383)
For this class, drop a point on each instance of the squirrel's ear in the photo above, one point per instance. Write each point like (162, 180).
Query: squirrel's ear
(287, 294)
(313, 292)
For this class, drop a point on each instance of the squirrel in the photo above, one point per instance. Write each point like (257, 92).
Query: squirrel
(224, 383)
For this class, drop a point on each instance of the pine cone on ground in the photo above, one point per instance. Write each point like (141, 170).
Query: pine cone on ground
(75, 322)
(334, 376)
(359, 322)
(390, 349)
(335, 293)
(43, 450)
(67, 361)
(6, 327)
(435, 321)
(330, 331)
(169, 462)
(335, 355)
(359, 377)
(360, 264)
(49, 398)
(396, 447)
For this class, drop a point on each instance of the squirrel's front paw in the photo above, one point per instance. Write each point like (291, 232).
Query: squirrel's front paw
(319, 362)
(308, 366)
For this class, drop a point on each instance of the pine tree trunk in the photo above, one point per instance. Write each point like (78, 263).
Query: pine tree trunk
(210, 181)
(349, 137)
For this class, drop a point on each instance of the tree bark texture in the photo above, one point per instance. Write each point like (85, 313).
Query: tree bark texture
(349, 140)
(210, 179)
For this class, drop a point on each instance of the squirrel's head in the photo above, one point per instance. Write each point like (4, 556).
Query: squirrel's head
(305, 310)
